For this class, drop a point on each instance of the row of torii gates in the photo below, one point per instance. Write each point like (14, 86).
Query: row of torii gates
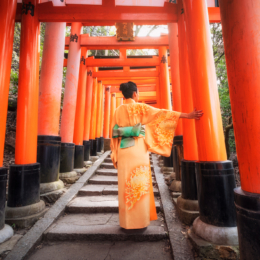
(91, 91)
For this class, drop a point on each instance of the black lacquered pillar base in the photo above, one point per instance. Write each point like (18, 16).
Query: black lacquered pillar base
(93, 147)
(168, 161)
(189, 183)
(98, 143)
(48, 155)
(3, 181)
(24, 185)
(248, 223)
(177, 155)
(86, 145)
(102, 143)
(24, 206)
(187, 203)
(67, 157)
(79, 157)
(215, 183)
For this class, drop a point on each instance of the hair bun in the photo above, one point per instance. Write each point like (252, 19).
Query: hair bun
(124, 86)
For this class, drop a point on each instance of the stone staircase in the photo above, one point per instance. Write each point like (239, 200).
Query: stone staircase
(93, 213)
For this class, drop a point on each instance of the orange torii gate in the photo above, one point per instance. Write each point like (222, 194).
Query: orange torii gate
(196, 84)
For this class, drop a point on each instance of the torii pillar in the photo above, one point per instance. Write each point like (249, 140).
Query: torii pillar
(107, 119)
(99, 116)
(165, 94)
(92, 134)
(188, 201)
(24, 206)
(102, 119)
(215, 175)
(176, 99)
(69, 105)
(241, 26)
(119, 102)
(112, 113)
(49, 141)
(80, 114)
(7, 18)
(88, 105)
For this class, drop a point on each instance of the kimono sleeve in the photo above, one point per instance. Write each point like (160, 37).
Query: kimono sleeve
(160, 128)
(114, 145)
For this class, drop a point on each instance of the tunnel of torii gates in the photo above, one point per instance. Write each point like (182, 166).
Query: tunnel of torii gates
(92, 95)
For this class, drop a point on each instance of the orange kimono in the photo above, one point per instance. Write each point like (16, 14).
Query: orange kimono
(135, 190)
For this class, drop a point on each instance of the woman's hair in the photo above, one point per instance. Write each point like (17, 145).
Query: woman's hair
(128, 89)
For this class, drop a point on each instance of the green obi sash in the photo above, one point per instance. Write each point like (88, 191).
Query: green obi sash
(128, 133)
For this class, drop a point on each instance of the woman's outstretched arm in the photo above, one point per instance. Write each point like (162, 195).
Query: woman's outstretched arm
(195, 114)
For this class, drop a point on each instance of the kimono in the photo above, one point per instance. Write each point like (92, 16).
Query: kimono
(135, 190)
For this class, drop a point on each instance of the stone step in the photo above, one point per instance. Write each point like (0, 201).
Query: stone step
(98, 190)
(108, 160)
(108, 172)
(96, 204)
(107, 180)
(101, 226)
(107, 165)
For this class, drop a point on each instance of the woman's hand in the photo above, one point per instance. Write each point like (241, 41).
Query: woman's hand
(195, 114)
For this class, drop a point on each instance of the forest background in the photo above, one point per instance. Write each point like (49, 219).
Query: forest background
(219, 56)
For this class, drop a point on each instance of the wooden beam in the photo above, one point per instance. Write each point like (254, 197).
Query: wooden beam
(108, 14)
(117, 82)
(154, 61)
(107, 43)
(123, 74)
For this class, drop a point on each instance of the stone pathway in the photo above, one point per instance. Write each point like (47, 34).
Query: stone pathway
(89, 228)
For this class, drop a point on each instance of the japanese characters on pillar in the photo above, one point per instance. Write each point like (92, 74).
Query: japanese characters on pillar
(81, 98)
(80, 112)
(69, 103)
(71, 86)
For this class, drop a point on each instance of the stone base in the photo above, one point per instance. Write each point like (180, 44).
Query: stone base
(25, 216)
(167, 170)
(99, 154)
(51, 186)
(6, 233)
(88, 163)
(176, 186)
(188, 210)
(176, 195)
(69, 177)
(216, 235)
(81, 171)
(107, 144)
(52, 196)
(207, 250)
(94, 158)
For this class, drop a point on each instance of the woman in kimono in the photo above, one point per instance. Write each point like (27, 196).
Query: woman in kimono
(137, 129)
